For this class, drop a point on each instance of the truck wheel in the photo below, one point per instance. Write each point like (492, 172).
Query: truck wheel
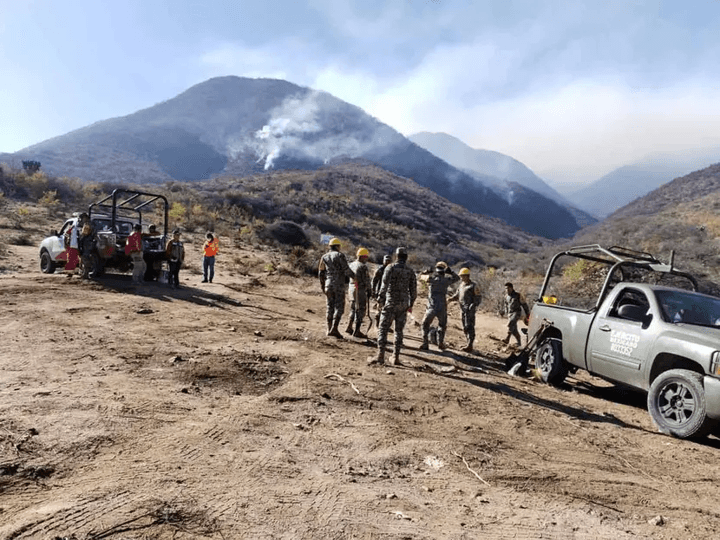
(47, 265)
(676, 402)
(549, 362)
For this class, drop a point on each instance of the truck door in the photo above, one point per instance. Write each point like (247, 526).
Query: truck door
(57, 244)
(620, 338)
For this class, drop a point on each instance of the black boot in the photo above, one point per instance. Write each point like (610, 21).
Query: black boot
(358, 333)
(379, 357)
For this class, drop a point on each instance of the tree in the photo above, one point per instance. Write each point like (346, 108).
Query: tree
(31, 166)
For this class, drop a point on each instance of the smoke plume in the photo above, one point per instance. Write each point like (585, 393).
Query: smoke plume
(318, 127)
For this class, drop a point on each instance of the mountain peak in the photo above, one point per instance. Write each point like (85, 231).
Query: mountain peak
(236, 126)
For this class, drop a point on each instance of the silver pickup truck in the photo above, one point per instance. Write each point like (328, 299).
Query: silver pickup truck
(644, 326)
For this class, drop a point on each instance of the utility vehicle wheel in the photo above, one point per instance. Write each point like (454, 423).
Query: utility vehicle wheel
(549, 362)
(676, 402)
(47, 265)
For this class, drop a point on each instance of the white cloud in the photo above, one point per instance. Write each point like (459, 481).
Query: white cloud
(591, 127)
(354, 86)
(573, 126)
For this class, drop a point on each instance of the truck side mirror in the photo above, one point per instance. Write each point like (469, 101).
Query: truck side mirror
(635, 313)
(54, 232)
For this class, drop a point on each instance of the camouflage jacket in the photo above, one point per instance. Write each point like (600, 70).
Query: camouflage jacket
(377, 280)
(468, 294)
(361, 281)
(515, 305)
(398, 287)
(334, 269)
(438, 284)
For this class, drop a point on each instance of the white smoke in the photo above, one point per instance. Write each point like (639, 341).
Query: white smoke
(287, 132)
(289, 122)
(510, 197)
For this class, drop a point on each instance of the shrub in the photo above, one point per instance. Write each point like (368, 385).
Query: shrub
(35, 185)
(177, 212)
(49, 200)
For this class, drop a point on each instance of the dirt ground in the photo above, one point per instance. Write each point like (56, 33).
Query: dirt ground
(222, 411)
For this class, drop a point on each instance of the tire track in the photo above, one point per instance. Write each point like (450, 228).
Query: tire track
(76, 518)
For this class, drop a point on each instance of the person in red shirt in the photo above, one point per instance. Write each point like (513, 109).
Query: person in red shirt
(134, 248)
(210, 250)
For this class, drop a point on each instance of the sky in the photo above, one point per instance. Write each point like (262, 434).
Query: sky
(571, 88)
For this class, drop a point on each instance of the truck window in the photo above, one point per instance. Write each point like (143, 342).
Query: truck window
(101, 224)
(65, 228)
(123, 228)
(689, 307)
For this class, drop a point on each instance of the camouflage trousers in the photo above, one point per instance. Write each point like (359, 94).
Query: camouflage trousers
(468, 322)
(513, 327)
(435, 311)
(334, 305)
(390, 313)
(358, 308)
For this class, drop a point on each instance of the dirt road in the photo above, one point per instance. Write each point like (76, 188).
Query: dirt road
(222, 411)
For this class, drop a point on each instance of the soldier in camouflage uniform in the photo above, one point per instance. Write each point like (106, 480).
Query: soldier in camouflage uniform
(515, 304)
(399, 291)
(376, 282)
(469, 297)
(360, 291)
(333, 272)
(438, 283)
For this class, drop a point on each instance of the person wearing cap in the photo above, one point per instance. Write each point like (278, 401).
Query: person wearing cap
(376, 282)
(175, 253)
(134, 248)
(360, 291)
(152, 231)
(398, 291)
(515, 304)
(438, 283)
(210, 250)
(469, 297)
(334, 273)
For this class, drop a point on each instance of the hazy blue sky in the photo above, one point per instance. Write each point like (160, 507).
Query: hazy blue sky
(571, 88)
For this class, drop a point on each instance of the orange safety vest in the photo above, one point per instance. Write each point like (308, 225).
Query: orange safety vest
(211, 247)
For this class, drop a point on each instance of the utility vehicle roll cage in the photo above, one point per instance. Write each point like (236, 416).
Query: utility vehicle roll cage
(129, 203)
(617, 258)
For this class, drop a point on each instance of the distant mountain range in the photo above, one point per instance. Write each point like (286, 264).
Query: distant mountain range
(625, 184)
(680, 216)
(233, 126)
(504, 174)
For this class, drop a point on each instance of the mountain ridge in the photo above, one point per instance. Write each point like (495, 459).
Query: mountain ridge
(623, 185)
(234, 125)
(500, 173)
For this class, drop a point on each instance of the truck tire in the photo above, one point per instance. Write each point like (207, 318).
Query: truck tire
(549, 362)
(47, 265)
(676, 402)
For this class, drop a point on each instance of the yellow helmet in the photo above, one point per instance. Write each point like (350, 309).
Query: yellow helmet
(464, 272)
(362, 252)
(334, 242)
